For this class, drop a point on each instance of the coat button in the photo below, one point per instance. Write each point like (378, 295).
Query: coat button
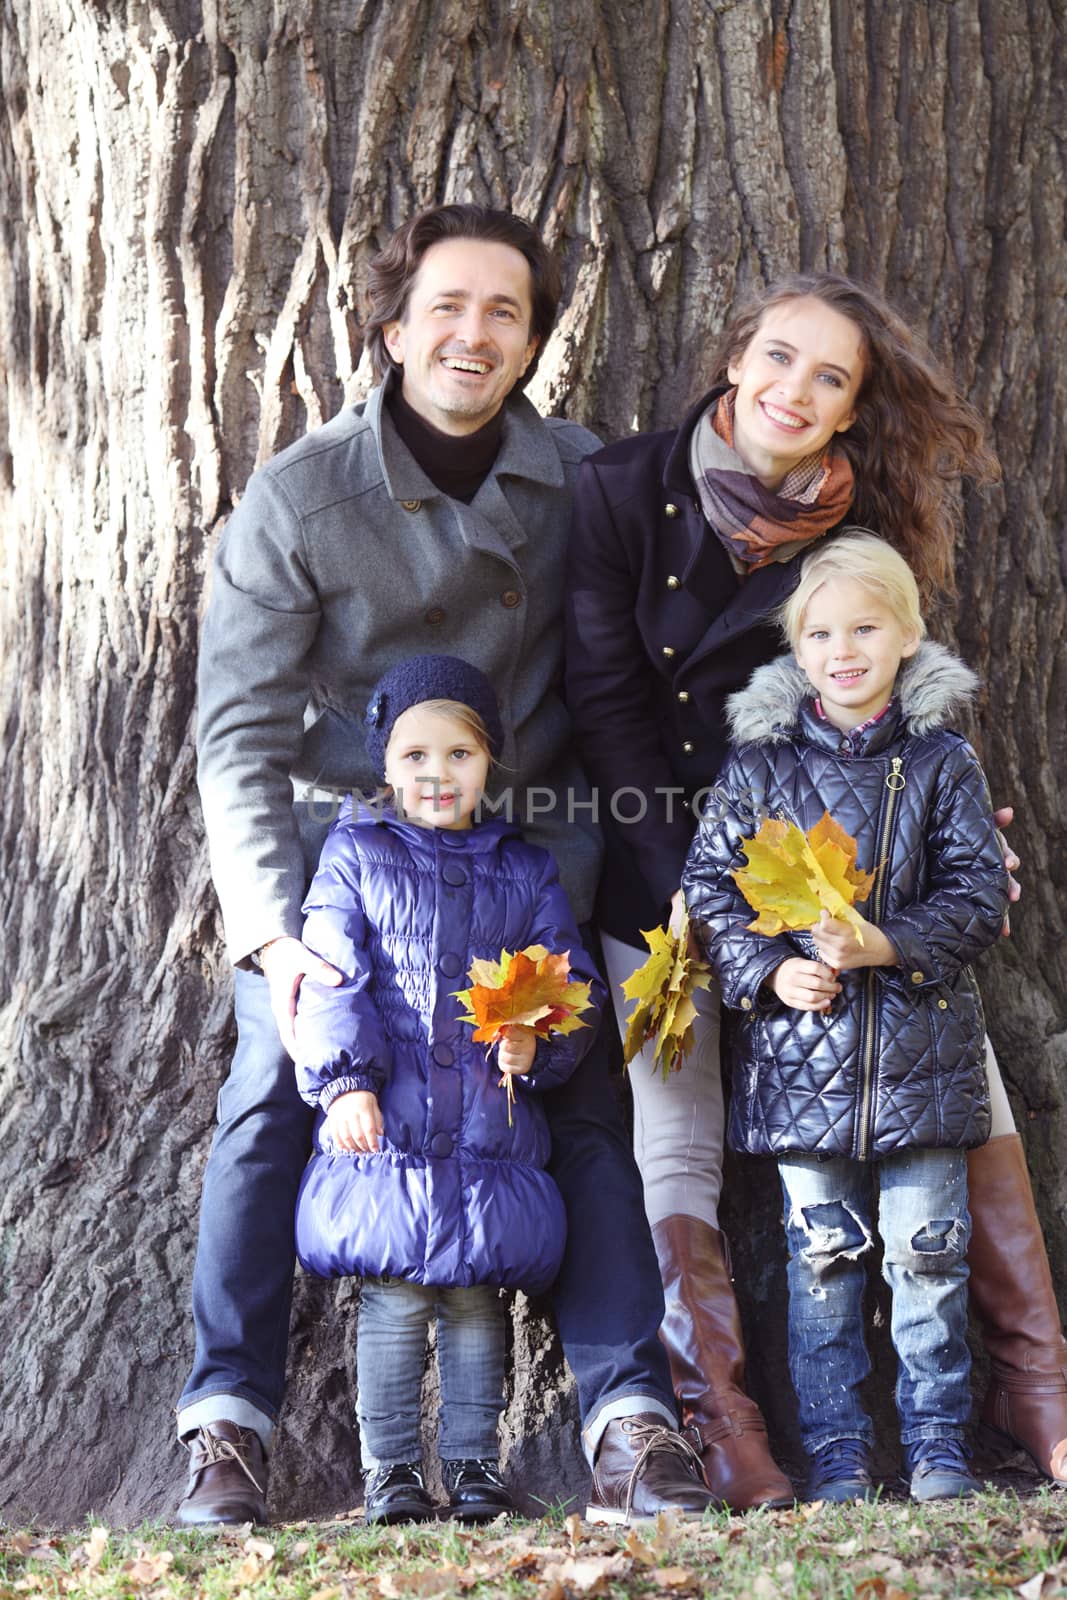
(434, 616)
(441, 1145)
(916, 977)
(683, 697)
(673, 582)
(454, 872)
(511, 598)
(746, 1003)
(669, 651)
(688, 747)
(411, 505)
(451, 964)
(670, 509)
(444, 1055)
(942, 1005)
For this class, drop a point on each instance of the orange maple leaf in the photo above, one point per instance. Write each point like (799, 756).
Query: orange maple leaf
(531, 988)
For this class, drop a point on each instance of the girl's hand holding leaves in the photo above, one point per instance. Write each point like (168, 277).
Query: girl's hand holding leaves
(531, 988)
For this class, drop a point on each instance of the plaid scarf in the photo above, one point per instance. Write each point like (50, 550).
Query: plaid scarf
(758, 525)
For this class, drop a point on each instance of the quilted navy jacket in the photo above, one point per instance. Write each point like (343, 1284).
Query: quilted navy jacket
(455, 1196)
(898, 1062)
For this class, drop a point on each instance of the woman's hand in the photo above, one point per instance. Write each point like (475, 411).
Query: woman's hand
(838, 944)
(355, 1121)
(1003, 819)
(516, 1050)
(805, 985)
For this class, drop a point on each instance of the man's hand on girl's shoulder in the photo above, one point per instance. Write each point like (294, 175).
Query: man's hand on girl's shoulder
(286, 962)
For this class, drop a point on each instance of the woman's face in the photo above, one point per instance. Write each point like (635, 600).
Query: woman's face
(797, 381)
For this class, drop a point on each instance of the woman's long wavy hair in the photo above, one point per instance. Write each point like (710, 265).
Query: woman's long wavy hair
(914, 435)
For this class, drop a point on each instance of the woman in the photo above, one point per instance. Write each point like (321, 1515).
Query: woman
(683, 543)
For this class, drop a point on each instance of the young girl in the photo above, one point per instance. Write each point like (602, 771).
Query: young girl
(863, 1048)
(418, 1183)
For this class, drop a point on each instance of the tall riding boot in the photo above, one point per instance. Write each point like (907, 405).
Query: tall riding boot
(702, 1332)
(1011, 1290)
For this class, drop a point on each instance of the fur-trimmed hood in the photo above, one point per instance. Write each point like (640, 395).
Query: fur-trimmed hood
(934, 687)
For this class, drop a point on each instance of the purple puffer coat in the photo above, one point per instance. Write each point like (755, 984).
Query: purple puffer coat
(455, 1196)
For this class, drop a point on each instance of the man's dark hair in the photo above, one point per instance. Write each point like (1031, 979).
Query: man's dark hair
(393, 270)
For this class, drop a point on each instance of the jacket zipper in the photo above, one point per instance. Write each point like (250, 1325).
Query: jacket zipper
(870, 982)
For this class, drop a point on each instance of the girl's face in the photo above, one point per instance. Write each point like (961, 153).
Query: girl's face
(850, 647)
(436, 768)
(797, 381)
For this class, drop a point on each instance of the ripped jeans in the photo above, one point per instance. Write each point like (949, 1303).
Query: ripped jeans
(925, 1228)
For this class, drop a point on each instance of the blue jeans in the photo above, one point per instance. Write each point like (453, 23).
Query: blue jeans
(608, 1299)
(925, 1229)
(390, 1354)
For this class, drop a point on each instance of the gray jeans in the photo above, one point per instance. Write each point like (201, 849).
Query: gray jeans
(394, 1317)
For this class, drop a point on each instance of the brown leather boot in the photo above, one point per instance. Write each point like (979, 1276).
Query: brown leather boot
(227, 1477)
(702, 1332)
(1011, 1290)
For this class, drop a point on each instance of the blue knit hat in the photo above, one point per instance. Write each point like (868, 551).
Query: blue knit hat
(421, 678)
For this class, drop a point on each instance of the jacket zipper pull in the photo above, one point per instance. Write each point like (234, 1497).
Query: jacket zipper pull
(895, 779)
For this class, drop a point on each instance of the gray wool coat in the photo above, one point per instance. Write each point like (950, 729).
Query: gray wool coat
(341, 559)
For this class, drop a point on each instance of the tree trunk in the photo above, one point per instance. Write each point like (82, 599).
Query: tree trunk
(189, 197)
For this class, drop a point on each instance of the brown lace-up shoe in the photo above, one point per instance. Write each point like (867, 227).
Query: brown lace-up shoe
(227, 1477)
(642, 1468)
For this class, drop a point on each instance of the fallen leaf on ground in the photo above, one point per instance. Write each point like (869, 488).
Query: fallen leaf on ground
(430, 1581)
(573, 1527)
(675, 1578)
(638, 1550)
(148, 1567)
(587, 1574)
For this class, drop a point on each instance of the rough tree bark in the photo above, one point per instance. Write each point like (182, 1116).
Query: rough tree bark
(189, 195)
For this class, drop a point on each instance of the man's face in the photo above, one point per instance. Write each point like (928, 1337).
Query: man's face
(464, 340)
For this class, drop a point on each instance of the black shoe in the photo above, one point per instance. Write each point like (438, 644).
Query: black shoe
(227, 1477)
(936, 1469)
(642, 1468)
(396, 1493)
(476, 1491)
(841, 1471)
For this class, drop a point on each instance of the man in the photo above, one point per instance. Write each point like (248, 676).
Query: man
(433, 517)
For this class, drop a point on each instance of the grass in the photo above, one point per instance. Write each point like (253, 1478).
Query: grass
(1004, 1542)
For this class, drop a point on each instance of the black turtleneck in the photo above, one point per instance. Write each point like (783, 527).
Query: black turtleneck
(457, 464)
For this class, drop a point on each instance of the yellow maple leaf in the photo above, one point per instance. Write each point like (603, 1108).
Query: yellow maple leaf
(531, 988)
(663, 988)
(790, 877)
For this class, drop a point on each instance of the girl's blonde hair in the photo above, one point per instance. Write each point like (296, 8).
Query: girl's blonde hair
(856, 553)
(465, 715)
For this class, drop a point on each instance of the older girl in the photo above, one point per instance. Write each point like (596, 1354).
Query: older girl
(683, 544)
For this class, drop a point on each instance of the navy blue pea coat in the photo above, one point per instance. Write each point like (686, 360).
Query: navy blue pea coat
(659, 632)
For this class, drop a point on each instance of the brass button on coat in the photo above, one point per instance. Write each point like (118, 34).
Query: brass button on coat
(434, 616)
(916, 977)
(688, 747)
(411, 505)
(669, 651)
(683, 697)
(511, 598)
(746, 1003)
(942, 1005)
(673, 582)
(670, 509)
